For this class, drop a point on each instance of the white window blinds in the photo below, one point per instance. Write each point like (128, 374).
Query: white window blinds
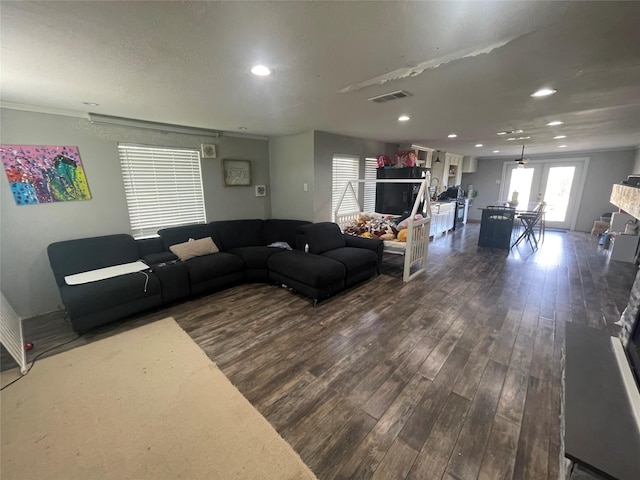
(163, 187)
(370, 170)
(345, 169)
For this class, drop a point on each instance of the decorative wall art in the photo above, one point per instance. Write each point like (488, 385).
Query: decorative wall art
(236, 172)
(44, 173)
(208, 150)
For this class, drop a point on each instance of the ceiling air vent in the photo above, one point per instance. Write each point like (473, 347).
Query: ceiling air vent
(390, 96)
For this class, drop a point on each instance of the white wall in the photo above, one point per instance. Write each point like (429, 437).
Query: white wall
(605, 169)
(326, 145)
(291, 167)
(25, 231)
(636, 166)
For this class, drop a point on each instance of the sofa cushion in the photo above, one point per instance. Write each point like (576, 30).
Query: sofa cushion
(238, 233)
(173, 235)
(160, 258)
(82, 300)
(312, 270)
(320, 237)
(202, 269)
(275, 230)
(149, 246)
(255, 257)
(354, 260)
(85, 254)
(194, 248)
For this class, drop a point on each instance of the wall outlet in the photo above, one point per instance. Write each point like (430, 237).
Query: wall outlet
(305, 187)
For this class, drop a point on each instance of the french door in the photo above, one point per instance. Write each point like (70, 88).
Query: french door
(558, 183)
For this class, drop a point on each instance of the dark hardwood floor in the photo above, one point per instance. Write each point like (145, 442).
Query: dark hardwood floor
(455, 375)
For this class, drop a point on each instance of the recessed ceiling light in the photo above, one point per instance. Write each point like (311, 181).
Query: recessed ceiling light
(92, 104)
(518, 131)
(452, 135)
(512, 138)
(404, 118)
(242, 128)
(562, 146)
(554, 123)
(558, 137)
(261, 70)
(478, 144)
(496, 151)
(544, 92)
(502, 133)
(523, 138)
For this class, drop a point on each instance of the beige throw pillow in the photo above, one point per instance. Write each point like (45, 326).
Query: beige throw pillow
(194, 248)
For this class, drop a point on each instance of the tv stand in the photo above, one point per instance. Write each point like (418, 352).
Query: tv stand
(601, 431)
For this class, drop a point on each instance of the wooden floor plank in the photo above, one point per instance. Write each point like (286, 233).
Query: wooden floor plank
(513, 396)
(532, 459)
(419, 426)
(499, 456)
(370, 452)
(469, 379)
(469, 449)
(396, 463)
(541, 361)
(436, 451)
(390, 378)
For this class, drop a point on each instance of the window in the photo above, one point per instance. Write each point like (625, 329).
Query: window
(163, 187)
(370, 171)
(344, 169)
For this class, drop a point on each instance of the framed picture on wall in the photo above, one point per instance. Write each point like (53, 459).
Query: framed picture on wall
(236, 173)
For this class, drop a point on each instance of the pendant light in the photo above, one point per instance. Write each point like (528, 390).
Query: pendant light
(438, 157)
(521, 161)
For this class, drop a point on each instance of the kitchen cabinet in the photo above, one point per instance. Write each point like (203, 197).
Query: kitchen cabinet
(452, 174)
(469, 164)
(424, 154)
(442, 218)
(424, 158)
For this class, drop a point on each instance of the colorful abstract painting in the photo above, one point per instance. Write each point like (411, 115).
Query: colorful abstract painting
(44, 174)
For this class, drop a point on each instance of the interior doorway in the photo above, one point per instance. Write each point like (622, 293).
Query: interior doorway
(559, 183)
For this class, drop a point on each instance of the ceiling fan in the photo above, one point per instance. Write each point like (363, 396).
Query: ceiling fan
(521, 161)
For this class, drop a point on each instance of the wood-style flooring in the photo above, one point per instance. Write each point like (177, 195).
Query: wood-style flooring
(455, 375)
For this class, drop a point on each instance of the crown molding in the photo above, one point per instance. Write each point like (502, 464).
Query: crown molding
(41, 109)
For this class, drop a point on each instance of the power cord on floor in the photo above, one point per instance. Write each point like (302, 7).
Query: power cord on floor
(37, 357)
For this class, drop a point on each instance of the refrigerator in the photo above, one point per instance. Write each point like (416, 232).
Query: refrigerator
(397, 198)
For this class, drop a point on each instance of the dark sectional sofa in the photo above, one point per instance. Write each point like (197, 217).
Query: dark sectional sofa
(322, 262)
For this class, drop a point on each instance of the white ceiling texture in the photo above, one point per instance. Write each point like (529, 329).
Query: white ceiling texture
(470, 67)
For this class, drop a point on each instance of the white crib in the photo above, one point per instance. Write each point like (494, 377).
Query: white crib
(416, 248)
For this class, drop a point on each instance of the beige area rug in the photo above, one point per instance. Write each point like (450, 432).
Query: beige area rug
(144, 404)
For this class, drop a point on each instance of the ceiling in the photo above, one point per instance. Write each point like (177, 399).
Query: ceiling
(470, 67)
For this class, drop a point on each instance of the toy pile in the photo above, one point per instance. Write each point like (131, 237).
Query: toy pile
(379, 226)
(401, 159)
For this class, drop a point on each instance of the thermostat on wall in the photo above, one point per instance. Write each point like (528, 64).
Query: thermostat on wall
(208, 150)
(261, 190)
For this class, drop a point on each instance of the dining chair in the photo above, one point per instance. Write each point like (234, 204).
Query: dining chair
(532, 221)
